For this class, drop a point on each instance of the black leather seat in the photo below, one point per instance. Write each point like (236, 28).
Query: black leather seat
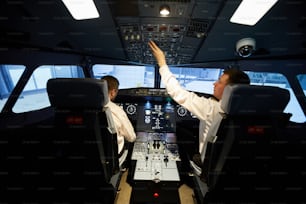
(85, 142)
(243, 156)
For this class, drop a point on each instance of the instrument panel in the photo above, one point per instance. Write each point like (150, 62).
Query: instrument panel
(132, 109)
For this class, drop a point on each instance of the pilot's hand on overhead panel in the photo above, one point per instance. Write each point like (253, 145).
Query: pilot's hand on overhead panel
(158, 54)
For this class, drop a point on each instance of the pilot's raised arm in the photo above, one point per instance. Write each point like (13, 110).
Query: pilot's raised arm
(205, 109)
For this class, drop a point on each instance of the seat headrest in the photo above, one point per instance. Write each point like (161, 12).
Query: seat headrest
(77, 93)
(254, 99)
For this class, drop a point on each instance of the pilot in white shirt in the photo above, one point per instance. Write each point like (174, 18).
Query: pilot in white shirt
(205, 109)
(124, 128)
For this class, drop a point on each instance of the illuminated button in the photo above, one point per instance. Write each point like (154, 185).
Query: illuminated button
(147, 119)
(155, 195)
(181, 111)
(131, 109)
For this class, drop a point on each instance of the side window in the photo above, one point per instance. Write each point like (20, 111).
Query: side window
(302, 79)
(276, 79)
(202, 80)
(34, 95)
(9, 75)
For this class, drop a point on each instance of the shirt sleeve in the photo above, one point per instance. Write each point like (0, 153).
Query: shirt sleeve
(197, 105)
(127, 129)
(123, 124)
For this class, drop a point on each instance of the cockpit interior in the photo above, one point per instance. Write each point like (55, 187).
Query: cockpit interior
(58, 141)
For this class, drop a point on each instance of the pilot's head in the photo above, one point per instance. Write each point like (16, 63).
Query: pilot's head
(229, 76)
(112, 85)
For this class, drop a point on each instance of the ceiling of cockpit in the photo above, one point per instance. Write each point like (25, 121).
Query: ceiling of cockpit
(196, 31)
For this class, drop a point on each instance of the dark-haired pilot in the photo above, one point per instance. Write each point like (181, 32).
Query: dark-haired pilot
(205, 109)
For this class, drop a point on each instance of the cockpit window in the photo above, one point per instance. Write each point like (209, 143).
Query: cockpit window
(129, 76)
(276, 79)
(196, 79)
(201, 80)
(302, 79)
(34, 95)
(9, 75)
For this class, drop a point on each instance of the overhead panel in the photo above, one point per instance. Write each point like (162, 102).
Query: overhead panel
(177, 35)
(136, 37)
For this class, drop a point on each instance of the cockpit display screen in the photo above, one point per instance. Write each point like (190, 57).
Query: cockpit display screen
(156, 117)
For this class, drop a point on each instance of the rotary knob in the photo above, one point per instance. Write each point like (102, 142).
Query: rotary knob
(131, 109)
(181, 111)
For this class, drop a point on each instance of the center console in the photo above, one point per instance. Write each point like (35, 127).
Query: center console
(155, 173)
(155, 159)
(156, 155)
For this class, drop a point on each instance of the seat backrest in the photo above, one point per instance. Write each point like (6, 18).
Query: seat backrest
(85, 141)
(243, 142)
(243, 99)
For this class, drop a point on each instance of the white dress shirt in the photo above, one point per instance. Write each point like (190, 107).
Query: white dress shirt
(124, 127)
(205, 109)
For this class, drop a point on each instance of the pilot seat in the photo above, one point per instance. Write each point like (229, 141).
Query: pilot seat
(244, 156)
(86, 166)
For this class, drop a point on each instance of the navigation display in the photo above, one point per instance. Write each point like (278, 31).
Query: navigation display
(156, 117)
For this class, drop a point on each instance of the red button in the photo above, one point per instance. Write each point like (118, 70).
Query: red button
(155, 195)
